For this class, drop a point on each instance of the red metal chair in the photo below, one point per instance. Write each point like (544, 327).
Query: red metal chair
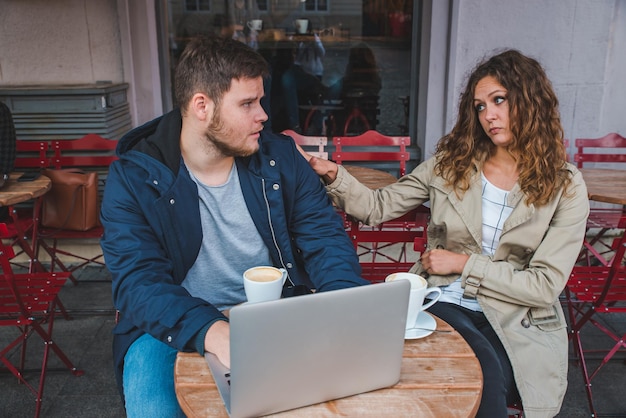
(373, 148)
(515, 411)
(314, 145)
(608, 151)
(593, 291)
(610, 148)
(375, 245)
(27, 302)
(361, 112)
(91, 152)
(32, 155)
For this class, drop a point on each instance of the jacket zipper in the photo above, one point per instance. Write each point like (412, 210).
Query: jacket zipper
(269, 220)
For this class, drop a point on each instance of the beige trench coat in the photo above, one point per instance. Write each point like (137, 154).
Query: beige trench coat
(519, 286)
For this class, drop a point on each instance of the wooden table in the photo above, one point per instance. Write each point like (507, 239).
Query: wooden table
(441, 377)
(605, 185)
(372, 178)
(14, 192)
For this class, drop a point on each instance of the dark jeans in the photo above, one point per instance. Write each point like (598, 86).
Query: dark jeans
(499, 387)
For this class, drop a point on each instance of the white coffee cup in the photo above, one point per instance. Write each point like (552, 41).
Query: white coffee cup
(263, 283)
(255, 24)
(302, 25)
(419, 291)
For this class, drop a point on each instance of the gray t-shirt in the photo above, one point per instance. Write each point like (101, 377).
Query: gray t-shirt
(230, 245)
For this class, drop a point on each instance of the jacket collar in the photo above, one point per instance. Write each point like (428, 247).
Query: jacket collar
(159, 138)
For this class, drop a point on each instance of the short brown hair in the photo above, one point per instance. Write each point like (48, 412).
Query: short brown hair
(210, 63)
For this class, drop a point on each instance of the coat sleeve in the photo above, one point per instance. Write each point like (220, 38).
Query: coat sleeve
(146, 280)
(375, 206)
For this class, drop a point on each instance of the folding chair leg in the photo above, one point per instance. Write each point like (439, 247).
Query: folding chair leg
(17, 372)
(25, 333)
(49, 343)
(54, 259)
(42, 379)
(586, 379)
(34, 265)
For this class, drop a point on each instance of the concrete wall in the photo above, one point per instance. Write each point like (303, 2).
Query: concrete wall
(59, 42)
(580, 43)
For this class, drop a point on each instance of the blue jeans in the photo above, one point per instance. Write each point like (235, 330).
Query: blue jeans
(499, 388)
(149, 380)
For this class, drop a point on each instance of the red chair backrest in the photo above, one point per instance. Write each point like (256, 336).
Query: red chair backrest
(610, 148)
(314, 145)
(31, 154)
(91, 151)
(358, 148)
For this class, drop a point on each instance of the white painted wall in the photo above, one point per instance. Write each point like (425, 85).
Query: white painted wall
(580, 43)
(140, 55)
(613, 110)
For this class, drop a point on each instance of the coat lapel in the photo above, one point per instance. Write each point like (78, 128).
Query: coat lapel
(468, 206)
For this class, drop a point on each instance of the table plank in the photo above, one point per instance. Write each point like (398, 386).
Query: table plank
(440, 376)
(14, 192)
(605, 185)
(372, 178)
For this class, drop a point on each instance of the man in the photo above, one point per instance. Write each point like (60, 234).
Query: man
(198, 196)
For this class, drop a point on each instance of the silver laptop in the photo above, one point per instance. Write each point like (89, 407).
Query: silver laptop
(308, 349)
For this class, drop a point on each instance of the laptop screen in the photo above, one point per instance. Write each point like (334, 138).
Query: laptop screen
(313, 348)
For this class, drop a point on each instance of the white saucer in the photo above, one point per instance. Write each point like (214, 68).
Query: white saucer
(424, 326)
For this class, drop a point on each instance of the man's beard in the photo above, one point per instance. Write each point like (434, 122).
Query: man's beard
(217, 130)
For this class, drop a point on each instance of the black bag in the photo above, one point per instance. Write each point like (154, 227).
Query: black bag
(7, 140)
(7, 150)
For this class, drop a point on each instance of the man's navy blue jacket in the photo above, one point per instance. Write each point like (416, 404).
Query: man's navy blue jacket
(152, 231)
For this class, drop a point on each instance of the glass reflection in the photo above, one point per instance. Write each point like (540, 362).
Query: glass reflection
(338, 66)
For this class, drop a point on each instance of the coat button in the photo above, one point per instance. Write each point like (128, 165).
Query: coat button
(155, 182)
(172, 201)
(275, 186)
(169, 338)
(272, 163)
(525, 323)
(289, 265)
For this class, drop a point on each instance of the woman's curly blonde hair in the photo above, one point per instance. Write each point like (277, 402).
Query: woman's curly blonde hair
(533, 120)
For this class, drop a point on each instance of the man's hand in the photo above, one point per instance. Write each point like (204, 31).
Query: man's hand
(324, 168)
(217, 341)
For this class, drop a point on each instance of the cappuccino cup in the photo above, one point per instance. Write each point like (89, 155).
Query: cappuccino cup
(255, 24)
(419, 291)
(263, 283)
(302, 25)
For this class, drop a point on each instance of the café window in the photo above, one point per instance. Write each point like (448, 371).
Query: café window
(316, 5)
(197, 5)
(338, 67)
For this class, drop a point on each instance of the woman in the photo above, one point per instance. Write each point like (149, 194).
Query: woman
(508, 217)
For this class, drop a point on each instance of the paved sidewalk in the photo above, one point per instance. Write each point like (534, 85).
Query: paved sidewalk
(87, 341)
